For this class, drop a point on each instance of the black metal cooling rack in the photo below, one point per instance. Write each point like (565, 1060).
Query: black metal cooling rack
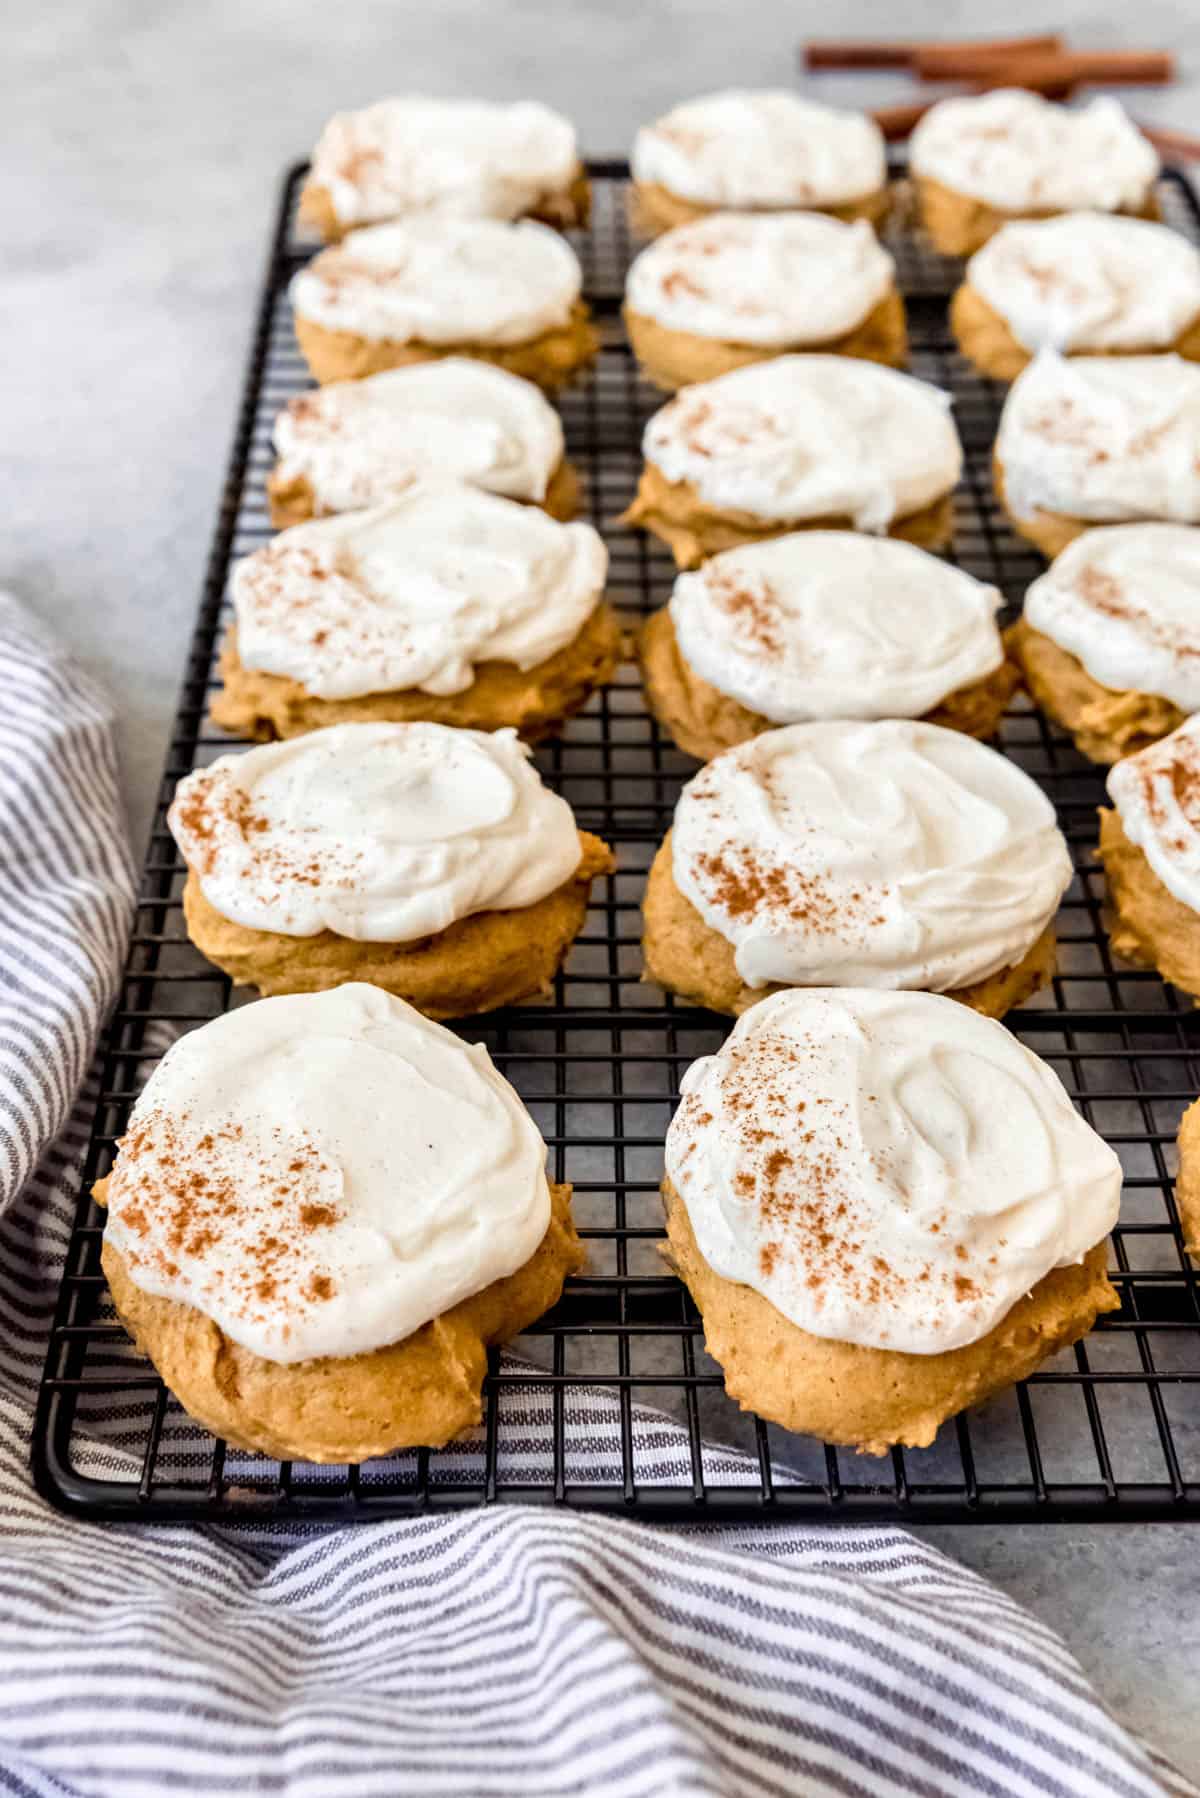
(1109, 1430)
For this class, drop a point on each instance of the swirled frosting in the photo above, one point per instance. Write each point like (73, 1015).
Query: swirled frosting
(1125, 600)
(442, 281)
(1020, 153)
(1089, 281)
(765, 148)
(762, 278)
(810, 437)
(324, 1173)
(1109, 438)
(890, 854)
(888, 1169)
(462, 158)
(359, 443)
(416, 593)
(380, 832)
(827, 624)
(1157, 793)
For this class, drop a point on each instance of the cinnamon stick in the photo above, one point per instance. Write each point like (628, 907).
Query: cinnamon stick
(1101, 68)
(898, 122)
(1172, 146)
(869, 53)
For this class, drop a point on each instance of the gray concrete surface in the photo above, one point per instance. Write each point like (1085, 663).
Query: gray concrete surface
(143, 147)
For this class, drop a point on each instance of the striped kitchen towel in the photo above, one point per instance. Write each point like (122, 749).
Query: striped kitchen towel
(498, 1652)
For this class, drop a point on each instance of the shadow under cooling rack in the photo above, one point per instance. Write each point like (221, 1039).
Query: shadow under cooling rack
(611, 1401)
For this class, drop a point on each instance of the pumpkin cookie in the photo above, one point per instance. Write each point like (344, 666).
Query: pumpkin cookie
(1187, 1184)
(757, 151)
(886, 1209)
(823, 624)
(412, 292)
(1150, 847)
(980, 161)
(355, 444)
(1087, 440)
(428, 861)
(1110, 639)
(448, 604)
(799, 443)
(889, 854)
(324, 1210)
(738, 288)
(447, 158)
(1083, 284)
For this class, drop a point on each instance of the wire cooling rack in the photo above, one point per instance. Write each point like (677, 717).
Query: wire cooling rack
(1108, 1430)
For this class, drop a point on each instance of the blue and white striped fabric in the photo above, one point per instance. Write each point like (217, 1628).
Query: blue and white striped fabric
(501, 1652)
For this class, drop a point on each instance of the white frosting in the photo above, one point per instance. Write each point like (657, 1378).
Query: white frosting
(465, 158)
(761, 149)
(1020, 153)
(1089, 281)
(1157, 793)
(359, 443)
(1103, 437)
(890, 854)
(416, 593)
(762, 278)
(380, 832)
(323, 1174)
(827, 624)
(810, 437)
(442, 281)
(887, 1169)
(1125, 600)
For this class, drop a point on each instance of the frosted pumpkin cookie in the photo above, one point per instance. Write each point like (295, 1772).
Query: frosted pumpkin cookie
(1087, 440)
(980, 160)
(411, 292)
(447, 604)
(355, 444)
(756, 151)
(451, 158)
(1110, 638)
(431, 862)
(323, 1212)
(798, 443)
(823, 624)
(890, 854)
(886, 1209)
(738, 288)
(1187, 1184)
(1087, 283)
(1150, 847)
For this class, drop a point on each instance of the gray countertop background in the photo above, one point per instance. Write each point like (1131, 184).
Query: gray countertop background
(145, 148)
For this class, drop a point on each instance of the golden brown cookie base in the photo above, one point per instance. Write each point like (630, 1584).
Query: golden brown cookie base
(985, 339)
(1187, 1182)
(672, 359)
(867, 1398)
(535, 701)
(654, 209)
(1105, 725)
(1048, 531)
(957, 225)
(674, 512)
(1149, 925)
(293, 501)
(567, 208)
(550, 359)
(419, 1393)
(686, 957)
(489, 959)
(703, 721)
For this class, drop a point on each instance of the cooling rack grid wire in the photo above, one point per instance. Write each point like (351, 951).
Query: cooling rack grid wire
(1108, 1430)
